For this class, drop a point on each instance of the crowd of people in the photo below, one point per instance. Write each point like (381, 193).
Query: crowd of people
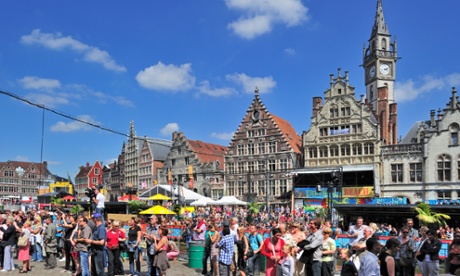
(92, 245)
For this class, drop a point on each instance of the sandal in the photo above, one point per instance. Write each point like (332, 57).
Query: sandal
(22, 271)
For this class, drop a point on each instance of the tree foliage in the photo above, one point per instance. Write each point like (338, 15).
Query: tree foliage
(427, 217)
(135, 206)
(76, 209)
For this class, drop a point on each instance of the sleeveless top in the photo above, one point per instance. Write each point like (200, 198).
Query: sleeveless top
(383, 264)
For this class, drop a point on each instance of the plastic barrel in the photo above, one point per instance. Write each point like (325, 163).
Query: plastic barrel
(262, 263)
(195, 254)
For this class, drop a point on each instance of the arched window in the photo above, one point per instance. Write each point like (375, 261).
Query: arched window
(334, 150)
(444, 168)
(384, 44)
(323, 151)
(368, 148)
(357, 149)
(371, 93)
(453, 130)
(345, 150)
(313, 152)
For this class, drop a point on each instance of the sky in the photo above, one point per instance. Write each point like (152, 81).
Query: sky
(192, 66)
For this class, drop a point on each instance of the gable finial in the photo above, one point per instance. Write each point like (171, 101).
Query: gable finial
(257, 90)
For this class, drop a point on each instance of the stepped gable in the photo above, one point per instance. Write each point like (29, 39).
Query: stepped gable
(289, 133)
(208, 152)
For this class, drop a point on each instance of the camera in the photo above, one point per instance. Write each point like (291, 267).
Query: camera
(90, 193)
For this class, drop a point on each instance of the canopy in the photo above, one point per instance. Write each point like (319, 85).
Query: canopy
(159, 197)
(68, 197)
(126, 198)
(203, 202)
(26, 199)
(229, 200)
(157, 210)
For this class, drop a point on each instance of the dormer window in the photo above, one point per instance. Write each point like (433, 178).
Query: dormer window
(453, 130)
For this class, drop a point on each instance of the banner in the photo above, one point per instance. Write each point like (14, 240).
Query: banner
(358, 192)
(312, 193)
(190, 177)
(170, 177)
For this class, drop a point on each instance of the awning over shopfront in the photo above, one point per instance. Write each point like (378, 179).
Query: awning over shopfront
(347, 168)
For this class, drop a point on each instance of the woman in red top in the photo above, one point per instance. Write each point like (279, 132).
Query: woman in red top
(272, 249)
(114, 235)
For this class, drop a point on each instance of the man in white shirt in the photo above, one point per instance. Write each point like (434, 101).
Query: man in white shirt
(99, 200)
(356, 232)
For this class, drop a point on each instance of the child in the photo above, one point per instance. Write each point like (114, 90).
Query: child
(348, 267)
(286, 265)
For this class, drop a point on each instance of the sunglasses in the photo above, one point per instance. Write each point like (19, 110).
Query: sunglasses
(405, 232)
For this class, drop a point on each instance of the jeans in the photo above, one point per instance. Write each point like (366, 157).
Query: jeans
(37, 253)
(84, 263)
(313, 269)
(206, 255)
(253, 265)
(152, 269)
(134, 260)
(97, 263)
(224, 270)
(187, 240)
(8, 259)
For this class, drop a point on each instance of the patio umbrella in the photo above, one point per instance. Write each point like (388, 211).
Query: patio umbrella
(157, 210)
(68, 197)
(159, 197)
(203, 202)
(126, 198)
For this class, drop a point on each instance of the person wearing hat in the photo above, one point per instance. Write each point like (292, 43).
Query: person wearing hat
(97, 243)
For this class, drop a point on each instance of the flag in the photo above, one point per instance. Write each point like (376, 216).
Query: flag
(169, 176)
(190, 177)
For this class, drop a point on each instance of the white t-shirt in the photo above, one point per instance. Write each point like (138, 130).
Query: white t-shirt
(100, 201)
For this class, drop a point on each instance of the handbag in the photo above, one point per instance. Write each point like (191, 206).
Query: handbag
(122, 244)
(23, 240)
(143, 244)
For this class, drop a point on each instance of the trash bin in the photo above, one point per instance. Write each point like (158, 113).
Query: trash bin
(262, 263)
(195, 254)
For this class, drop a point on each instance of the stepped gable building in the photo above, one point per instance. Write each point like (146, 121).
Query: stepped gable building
(88, 177)
(343, 137)
(18, 178)
(264, 150)
(425, 165)
(196, 165)
(142, 159)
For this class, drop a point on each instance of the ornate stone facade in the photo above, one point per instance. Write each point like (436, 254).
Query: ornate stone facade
(425, 166)
(262, 153)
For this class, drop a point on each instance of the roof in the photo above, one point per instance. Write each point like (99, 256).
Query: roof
(208, 152)
(289, 133)
(84, 171)
(165, 189)
(159, 148)
(42, 167)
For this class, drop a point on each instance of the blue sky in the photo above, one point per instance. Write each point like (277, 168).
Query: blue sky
(192, 66)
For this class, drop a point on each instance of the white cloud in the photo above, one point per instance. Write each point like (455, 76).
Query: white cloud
(167, 77)
(32, 82)
(75, 126)
(249, 84)
(223, 135)
(22, 158)
(410, 90)
(259, 16)
(289, 51)
(205, 88)
(58, 42)
(169, 129)
(48, 100)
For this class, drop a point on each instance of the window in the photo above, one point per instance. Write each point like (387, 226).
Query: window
(173, 162)
(251, 166)
(94, 180)
(444, 194)
(283, 164)
(368, 148)
(241, 185)
(251, 187)
(272, 147)
(240, 149)
(231, 168)
(313, 152)
(397, 173)
(250, 133)
(8, 173)
(283, 186)
(323, 151)
(345, 150)
(272, 165)
(97, 171)
(261, 148)
(261, 132)
(240, 167)
(261, 187)
(345, 111)
(415, 172)
(187, 160)
(453, 129)
(251, 149)
(357, 149)
(261, 166)
(231, 187)
(444, 168)
(334, 111)
(323, 131)
(356, 128)
(334, 150)
(272, 187)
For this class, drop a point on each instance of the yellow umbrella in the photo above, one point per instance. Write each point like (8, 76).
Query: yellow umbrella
(159, 197)
(191, 209)
(157, 210)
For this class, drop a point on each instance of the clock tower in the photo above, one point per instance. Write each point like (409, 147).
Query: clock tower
(379, 61)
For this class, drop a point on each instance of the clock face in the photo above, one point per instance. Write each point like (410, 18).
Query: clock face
(385, 69)
(371, 72)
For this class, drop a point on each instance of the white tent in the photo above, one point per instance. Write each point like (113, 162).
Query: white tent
(229, 200)
(203, 202)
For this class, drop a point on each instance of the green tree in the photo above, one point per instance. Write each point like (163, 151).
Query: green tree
(76, 209)
(135, 206)
(427, 217)
(57, 202)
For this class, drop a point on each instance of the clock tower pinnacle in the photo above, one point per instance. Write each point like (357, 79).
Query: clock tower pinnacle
(379, 61)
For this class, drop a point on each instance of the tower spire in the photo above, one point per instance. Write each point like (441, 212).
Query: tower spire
(380, 27)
